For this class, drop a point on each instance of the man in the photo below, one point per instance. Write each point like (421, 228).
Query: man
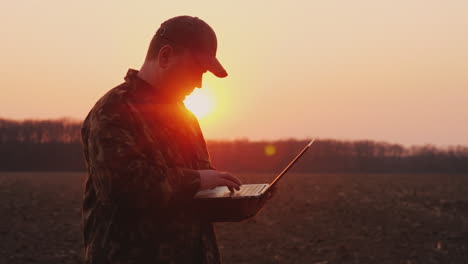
(146, 157)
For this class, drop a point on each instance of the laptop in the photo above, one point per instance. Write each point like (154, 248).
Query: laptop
(247, 190)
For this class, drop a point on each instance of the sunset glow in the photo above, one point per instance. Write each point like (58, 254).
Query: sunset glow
(382, 70)
(199, 103)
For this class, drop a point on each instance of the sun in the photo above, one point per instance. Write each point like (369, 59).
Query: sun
(199, 102)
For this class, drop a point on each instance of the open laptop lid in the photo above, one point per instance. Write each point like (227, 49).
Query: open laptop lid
(290, 165)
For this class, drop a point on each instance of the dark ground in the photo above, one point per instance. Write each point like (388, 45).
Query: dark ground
(314, 218)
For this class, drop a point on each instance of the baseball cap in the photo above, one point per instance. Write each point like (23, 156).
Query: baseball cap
(196, 35)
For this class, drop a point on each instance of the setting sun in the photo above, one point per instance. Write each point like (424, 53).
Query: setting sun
(199, 102)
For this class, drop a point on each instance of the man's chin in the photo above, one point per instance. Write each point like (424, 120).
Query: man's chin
(182, 97)
(187, 93)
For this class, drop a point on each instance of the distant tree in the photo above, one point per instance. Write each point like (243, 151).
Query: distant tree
(55, 145)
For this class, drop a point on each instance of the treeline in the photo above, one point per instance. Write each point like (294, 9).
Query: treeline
(54, 145)
(40, 145)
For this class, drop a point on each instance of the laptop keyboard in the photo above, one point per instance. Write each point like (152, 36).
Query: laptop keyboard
(249, 189)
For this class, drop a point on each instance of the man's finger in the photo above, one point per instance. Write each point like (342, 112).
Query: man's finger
(231, 177)
(228, 183)
(235, 184)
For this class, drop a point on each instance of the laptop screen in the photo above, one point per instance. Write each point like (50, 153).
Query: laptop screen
(291, 163)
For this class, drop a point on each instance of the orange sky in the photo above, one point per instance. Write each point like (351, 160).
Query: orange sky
(382, 70)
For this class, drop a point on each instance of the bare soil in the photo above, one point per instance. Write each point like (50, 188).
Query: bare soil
(313, 218)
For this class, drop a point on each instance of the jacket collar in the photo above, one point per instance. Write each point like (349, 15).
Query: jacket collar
(145, 92)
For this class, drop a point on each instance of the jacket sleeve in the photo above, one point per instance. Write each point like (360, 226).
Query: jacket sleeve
(125, 172)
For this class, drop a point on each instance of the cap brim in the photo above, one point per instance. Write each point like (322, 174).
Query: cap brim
(212, 64)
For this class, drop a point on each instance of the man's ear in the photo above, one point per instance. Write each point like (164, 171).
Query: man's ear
(165, 54)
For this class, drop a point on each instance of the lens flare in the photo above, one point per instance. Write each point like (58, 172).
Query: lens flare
(199, 102)
(270, 150)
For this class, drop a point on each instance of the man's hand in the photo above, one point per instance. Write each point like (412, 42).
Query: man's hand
(212, 178)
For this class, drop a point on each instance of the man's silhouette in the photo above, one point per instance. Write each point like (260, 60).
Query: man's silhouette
(146, 157)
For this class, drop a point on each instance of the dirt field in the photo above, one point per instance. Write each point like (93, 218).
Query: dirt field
(314, 218)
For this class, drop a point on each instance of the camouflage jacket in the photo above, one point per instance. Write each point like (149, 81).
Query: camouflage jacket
(142, 155)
